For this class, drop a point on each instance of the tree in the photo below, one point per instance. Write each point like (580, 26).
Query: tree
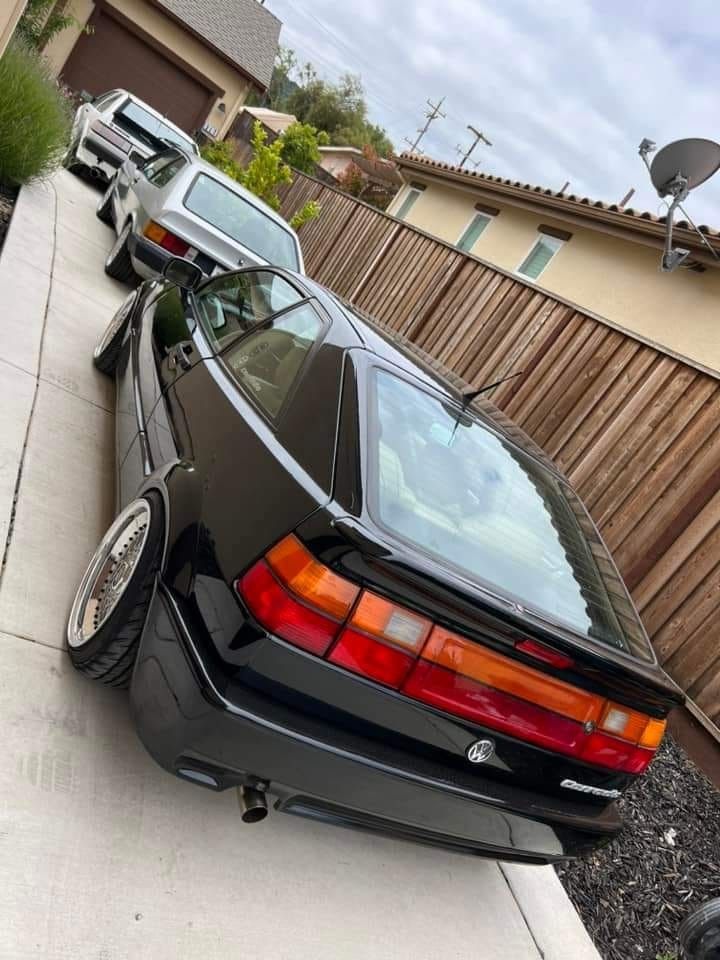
(264, 175)
(42, 20)
(267, 171)
(339, 109)
(351, 180)
(300, 146)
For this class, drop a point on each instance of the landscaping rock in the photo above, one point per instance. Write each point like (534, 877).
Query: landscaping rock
(633, 894)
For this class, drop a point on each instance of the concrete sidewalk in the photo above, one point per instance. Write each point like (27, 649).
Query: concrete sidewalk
(102, 854)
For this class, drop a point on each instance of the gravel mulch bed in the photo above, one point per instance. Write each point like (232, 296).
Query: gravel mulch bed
(7, 202)
(633, 895)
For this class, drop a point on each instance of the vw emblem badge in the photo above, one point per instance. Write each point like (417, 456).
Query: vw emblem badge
(480, 751)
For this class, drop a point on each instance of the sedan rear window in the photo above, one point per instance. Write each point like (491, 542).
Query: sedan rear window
(149, 129)
(445, 482)
(243, 221)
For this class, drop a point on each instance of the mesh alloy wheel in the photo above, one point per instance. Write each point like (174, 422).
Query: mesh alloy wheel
(109, 573)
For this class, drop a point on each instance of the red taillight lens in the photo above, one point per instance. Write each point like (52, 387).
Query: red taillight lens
(372, 659)
(545, 654)
(153, 231)
(639, 761)
(467, 698)
(606, 751)
(280, 614)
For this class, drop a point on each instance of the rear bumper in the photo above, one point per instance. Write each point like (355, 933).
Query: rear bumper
(99, 155)
(187, 725)
(148, 259)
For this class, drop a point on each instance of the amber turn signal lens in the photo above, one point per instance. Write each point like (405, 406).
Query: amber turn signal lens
(653, 734)
(310, 580)
(153, 231)
(390, 622)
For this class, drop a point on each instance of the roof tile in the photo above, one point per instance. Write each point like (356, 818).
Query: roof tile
(244, 30)
(599, 204)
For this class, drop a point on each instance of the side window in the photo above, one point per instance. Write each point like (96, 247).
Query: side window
(157, 163)
(166, 173)
(267, 362)
(473, 230)
(236, 302)
(544, 249)
(413, 192)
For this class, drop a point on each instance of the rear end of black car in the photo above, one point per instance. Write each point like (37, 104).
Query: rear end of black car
(442, 652)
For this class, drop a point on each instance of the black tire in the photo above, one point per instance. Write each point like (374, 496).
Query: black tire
(699, 934)
(109, 655)
(118, 264)
(107, 352)
(103, 211)
(70, 161)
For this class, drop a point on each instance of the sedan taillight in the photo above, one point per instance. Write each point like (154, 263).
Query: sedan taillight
(299, 599)
(165, 239)
(112, 136)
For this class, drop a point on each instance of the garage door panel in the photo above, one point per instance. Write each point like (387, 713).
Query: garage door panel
(113, 56)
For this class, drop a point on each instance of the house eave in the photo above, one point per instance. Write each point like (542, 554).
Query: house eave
(627, 226)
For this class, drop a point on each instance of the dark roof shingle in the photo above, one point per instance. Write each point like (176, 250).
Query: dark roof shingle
(244, 30)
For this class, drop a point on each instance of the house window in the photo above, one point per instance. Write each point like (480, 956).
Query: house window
(410, 197)
(543, 251)
(473, 231)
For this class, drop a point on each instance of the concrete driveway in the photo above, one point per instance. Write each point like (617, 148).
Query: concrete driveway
(102, 854)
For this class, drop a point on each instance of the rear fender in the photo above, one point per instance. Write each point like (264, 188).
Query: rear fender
(180, 487)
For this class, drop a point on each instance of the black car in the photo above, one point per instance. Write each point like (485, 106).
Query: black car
(336, 581)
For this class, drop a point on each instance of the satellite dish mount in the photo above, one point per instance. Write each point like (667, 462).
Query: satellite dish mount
(676, 170)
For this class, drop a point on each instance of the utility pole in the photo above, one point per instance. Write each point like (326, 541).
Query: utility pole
(432, 114)
(479, 136)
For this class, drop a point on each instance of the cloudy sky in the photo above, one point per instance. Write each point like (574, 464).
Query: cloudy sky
(564, 89)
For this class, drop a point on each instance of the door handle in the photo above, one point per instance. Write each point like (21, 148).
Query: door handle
(178, 355)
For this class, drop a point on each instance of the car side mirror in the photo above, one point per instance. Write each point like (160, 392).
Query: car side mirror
(184, 273)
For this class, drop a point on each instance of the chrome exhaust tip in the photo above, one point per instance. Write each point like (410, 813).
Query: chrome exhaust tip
(253, 806)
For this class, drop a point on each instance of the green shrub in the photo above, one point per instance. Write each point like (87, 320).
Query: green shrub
(220, 154)
(35, 117)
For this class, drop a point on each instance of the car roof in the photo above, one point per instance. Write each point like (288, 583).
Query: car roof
(397, 350)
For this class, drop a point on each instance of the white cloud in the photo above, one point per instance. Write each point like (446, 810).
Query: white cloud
(565, 89)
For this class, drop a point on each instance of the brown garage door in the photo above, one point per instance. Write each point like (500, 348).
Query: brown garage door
(113, 55)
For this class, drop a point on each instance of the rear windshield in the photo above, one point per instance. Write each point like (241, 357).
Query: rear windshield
(242, 221)
(148, 129)
(445, 482)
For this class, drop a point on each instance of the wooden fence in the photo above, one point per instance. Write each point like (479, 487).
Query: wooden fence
(636, 430)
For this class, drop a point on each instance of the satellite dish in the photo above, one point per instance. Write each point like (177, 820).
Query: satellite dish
(694, 159)
(676, 170)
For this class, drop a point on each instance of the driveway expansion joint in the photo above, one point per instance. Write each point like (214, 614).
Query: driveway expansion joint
(541, 952)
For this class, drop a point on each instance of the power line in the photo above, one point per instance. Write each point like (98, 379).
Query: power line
(430, 115)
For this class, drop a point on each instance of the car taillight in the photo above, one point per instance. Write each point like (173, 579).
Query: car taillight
(299, 599)
(276, 610)
(164, 238)
(366, 656)
(107, 133)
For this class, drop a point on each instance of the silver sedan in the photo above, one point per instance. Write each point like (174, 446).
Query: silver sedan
(175, 205)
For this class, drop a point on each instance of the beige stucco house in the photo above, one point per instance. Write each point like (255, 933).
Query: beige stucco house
(604, 258)
(194, 60)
